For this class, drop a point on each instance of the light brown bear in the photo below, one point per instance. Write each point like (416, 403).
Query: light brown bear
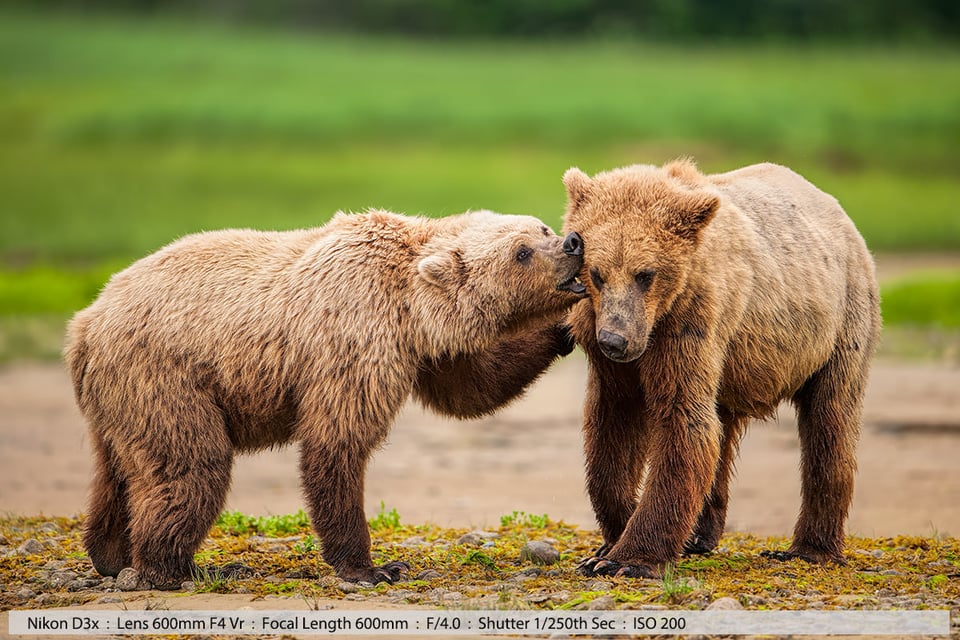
(713, 299)
(238, 340)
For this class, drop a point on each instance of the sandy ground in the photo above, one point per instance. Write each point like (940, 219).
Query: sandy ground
(528, 458)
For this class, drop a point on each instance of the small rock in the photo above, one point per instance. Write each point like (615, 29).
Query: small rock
(488, 544)
(599, 585)
(355, 596)
(877, 553)
(539, 552)
(188, 585)
(30, 547)
(753, 601)
(538, 598)
(83, 583)
(533, 572)
(45, 600)
(602, 603)
(49, 527)
(559, 597)
(477, 537)
(111, 599)
(60, 579)
(724, 604)
(886, 593)
(55, 565)
(451, 596)
(26, 593)
(128, 580)
(428, 575)
(415, 541)
(108, 583)
(652, 607)
(910, 603)
(329, 581)
(890, 572)
(348, 587)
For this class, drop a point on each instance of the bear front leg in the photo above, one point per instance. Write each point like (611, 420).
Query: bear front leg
(682, 457)
(613, 434)
(713, 515)
(333, 479)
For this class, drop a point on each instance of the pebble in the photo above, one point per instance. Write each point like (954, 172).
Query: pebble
(890, 572)
(539, 552)
(108, 583)
(26, 594)
(415, 541)
(355, 596)
(188, 585)
(602, 603)
(599, 585)
(49, 527)
(877, 553)
(348, 587)
(451, 596)
(61, 578)
(910, 603)
(752, 601)
(559, 597)
(652, 607)
(428, 575)
(128, 579)
(110, 599)
(475, 538)
(30, 547)
(83, 583)
(724, 604)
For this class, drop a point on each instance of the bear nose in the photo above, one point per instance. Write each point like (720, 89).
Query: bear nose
(573, 244)
(613, 345)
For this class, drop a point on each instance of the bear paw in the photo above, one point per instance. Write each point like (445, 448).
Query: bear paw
(390, 572)
(615, 569)
(697, 546)
(812, 557)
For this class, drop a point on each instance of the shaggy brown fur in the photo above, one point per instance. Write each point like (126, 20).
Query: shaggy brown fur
(712, 299)
(235, 341)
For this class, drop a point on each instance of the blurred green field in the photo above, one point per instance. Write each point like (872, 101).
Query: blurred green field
(119, 135)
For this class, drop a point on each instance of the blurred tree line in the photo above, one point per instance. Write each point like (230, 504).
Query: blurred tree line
(863, 20)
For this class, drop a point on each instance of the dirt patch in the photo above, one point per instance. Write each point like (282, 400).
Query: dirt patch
(529, 458)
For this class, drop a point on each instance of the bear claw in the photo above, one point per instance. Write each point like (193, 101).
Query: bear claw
(615, 569)
(697, 546)
(390, 572)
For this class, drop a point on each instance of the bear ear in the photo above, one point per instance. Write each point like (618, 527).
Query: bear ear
(438, 269)
(578, 186)
(693, 213)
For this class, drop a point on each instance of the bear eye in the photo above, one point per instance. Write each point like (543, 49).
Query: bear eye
(645, 278)
(597, 280)
(524, 253)
(545, 230)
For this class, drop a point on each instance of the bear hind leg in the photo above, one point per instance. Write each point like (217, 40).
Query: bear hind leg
(173, 506)
(829, 416)
(106, 528)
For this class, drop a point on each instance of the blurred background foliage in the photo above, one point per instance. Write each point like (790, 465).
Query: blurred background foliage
(125, 124)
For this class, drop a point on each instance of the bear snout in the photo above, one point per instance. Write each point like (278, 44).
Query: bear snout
(573, 244)
(613, 345)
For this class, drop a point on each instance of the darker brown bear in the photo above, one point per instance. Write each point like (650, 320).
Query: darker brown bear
(235, 341)
(713, 299)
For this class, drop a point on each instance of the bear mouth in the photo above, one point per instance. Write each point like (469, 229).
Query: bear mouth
(573, 285)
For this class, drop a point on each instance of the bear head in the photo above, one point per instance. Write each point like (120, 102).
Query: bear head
(483, 274)
(640, 226)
